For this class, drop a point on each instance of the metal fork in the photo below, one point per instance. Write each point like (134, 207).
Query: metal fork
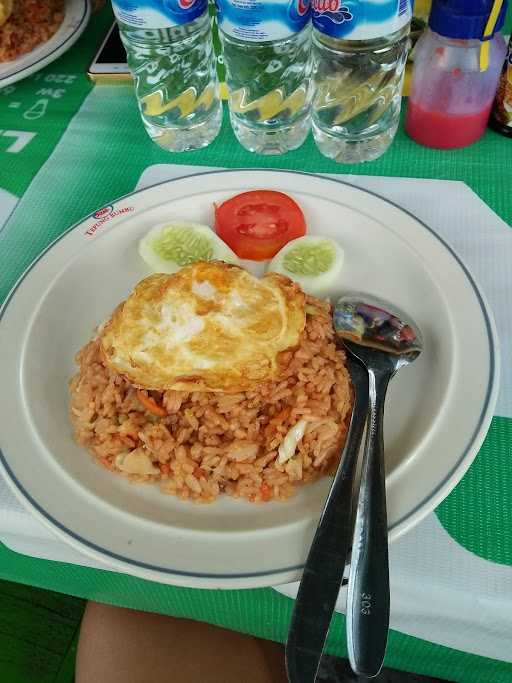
(325, 565)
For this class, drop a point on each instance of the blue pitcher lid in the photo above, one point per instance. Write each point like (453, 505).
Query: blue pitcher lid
(463, 18)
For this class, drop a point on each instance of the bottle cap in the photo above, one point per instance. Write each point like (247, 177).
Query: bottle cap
(464, 19)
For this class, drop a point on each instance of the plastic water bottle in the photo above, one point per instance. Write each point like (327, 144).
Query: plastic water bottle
(170, 54)
(266, 49)
(359, 53)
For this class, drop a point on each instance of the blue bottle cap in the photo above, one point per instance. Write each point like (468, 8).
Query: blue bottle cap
(464, 18)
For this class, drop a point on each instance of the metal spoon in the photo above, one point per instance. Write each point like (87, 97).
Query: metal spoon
(383, 341)
(323, 572)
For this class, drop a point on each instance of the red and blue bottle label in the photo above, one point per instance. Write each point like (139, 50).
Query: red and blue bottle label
(360, 19)
(262, 20)
(158, 13)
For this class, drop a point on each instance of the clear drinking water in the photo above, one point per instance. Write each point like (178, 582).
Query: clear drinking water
(358, 71)
(170, 54)
(266, 50)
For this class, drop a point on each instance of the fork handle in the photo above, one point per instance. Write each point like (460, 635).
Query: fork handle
(323, 572)
(368, 583)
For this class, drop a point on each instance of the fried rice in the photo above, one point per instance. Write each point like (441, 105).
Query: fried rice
(29, 24)
(197, 445)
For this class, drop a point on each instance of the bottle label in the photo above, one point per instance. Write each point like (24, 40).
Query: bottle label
(360, 19)
(503, 103)
(158, 13)
(262, 20)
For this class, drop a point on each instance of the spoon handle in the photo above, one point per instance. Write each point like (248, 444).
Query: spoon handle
(323, 572)
(368, 583)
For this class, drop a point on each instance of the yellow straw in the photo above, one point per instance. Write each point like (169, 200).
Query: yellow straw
(489, 28)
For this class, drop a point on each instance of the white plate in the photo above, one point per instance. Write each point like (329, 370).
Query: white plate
(74, 22)
(438, 412)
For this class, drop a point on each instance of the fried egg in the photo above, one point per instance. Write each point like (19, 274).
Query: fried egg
(209, 327)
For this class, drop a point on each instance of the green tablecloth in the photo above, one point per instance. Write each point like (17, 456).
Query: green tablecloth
(474, 514)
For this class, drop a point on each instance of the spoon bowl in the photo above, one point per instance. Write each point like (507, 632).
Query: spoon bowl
(368, 325)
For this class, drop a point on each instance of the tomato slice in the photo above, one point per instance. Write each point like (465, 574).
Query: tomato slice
(257, 224)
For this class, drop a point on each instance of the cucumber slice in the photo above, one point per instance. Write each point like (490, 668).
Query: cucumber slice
(167, 248)
(314, 262)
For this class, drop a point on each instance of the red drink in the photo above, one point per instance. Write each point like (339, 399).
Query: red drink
(445, 131)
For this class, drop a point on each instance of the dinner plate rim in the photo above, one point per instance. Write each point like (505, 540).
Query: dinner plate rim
(67, 40)
(403, 524)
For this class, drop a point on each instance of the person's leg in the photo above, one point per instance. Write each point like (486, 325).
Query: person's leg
(120, 645)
